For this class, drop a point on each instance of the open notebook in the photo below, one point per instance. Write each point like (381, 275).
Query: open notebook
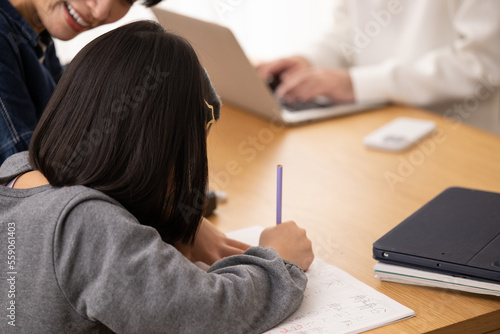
(334, 301)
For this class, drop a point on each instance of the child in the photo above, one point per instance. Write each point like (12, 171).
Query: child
(116, 175)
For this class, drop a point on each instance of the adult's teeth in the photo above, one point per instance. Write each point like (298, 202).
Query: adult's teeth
(75, 16)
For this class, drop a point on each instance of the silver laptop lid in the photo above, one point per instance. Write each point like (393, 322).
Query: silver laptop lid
(232, 74)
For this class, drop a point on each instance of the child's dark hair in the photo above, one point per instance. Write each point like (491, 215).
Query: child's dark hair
(128, 118)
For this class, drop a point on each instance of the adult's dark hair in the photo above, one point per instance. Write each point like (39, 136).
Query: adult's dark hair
(129, 118)
(148, 3)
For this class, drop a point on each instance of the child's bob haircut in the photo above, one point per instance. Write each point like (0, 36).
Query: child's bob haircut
(129, 118)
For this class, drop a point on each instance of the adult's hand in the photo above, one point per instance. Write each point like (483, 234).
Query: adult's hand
(309, 83)
(281, 68)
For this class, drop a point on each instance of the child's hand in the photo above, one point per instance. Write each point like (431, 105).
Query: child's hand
(210, 245)
(291, 243)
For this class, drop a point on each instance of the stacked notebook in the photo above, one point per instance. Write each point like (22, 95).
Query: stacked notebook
(400, 274)
(451, 242)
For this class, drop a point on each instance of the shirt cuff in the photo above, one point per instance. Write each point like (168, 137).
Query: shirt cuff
(372, 84)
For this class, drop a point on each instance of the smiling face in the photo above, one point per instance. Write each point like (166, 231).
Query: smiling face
(66, 19)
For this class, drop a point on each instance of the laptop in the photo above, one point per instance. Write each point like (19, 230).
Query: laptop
(456, 233)
(236, 80)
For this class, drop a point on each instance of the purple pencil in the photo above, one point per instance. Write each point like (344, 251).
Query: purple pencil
(279, 194)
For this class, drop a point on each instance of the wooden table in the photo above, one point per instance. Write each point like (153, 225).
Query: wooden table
(347, 196)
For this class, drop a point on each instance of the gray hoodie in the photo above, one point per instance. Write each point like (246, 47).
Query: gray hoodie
(75, 261)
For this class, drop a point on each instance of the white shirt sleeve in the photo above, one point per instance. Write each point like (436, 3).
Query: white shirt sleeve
(467, 66)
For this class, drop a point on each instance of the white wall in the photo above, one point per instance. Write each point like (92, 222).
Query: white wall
(266, 29)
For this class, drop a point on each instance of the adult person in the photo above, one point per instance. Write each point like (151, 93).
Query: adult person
(29, 67)
(116, 168)
(441, 55)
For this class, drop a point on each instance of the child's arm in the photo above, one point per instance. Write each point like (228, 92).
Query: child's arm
(114, 271)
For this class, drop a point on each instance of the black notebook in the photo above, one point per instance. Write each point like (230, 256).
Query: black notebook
(456, 233)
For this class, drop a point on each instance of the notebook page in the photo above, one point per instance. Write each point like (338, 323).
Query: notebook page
(334, 301)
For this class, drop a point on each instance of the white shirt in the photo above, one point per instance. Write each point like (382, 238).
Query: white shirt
(441, 55)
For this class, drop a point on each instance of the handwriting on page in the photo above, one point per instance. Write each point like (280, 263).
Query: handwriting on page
(335, 302)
